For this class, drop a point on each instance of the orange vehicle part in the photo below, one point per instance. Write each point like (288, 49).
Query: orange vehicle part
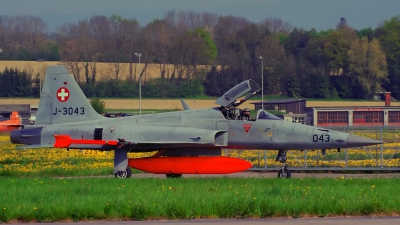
(190, 165)
(13, 123)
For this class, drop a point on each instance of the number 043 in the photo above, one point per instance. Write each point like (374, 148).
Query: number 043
(321, 138)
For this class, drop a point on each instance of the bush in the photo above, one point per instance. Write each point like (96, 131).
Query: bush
(98, 105)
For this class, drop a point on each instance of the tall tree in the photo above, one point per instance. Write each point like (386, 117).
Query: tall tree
(367, 67)
(342, 23)
(129, 37)
(389, 38)
(116, 50)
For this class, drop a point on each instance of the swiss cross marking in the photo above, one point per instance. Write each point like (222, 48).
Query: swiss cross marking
(63, 94)
(247, 127)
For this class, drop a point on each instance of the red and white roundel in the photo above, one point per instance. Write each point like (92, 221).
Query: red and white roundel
(63, 94)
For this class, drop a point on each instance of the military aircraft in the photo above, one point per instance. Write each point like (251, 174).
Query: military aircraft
(13, 123)
(187, 142)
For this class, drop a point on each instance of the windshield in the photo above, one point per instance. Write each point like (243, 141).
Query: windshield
(246, 90)
(264, 115)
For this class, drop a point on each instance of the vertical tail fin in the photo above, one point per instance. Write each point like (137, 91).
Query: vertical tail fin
(62, 100)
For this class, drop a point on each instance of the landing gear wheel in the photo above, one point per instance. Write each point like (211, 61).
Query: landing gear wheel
(173, 175)
(284, 173)
(124, 174)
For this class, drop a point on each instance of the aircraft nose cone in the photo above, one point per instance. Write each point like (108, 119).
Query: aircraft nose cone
(357, 141)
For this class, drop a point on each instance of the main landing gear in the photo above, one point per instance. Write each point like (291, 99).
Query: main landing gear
(121, 168)
(284, 172)
(124, 174)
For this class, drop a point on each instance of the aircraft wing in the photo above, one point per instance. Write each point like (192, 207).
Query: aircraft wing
(151, 138)
(76, 143)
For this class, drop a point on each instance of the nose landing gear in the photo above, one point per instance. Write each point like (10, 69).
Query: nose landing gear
(284, 172)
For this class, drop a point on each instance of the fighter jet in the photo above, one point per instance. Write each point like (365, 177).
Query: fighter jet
(13, 123)
(187, 142)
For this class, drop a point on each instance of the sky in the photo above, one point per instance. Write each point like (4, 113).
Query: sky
(307, 14)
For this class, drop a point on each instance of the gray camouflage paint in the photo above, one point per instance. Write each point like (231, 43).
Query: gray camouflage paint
(183, 131)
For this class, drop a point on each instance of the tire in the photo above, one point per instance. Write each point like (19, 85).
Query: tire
(124, 174)
(173, 175)
(284, 174)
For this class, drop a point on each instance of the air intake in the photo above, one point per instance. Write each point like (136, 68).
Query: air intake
(98, 134)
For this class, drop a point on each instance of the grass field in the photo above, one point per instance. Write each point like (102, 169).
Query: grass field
(48, 200)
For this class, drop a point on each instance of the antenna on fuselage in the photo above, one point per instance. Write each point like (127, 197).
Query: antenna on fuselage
(185, 105)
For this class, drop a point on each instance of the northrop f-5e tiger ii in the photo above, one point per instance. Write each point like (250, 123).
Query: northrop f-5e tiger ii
(187, 142)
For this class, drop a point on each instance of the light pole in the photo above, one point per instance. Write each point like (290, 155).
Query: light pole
(299, 104)
(140, 86)
(262, 83)
(40, 79)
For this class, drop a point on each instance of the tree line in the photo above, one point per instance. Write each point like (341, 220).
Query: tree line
(334, 63)
(16, 83)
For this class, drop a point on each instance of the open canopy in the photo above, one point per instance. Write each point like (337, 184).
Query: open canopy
(246, 90)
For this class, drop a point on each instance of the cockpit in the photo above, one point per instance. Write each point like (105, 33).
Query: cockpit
(231, 100)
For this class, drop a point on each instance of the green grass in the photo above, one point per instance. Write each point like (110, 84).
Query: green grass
(47, 200)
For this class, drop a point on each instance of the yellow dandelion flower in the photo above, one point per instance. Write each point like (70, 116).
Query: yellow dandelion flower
(373, 186)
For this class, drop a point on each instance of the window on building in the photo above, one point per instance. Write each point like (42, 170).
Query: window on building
(282, 107)
(298, 120)
(394, 117)
(333, 118)
(368, 117)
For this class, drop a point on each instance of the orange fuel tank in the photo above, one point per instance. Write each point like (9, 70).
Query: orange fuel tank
(190, 165)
